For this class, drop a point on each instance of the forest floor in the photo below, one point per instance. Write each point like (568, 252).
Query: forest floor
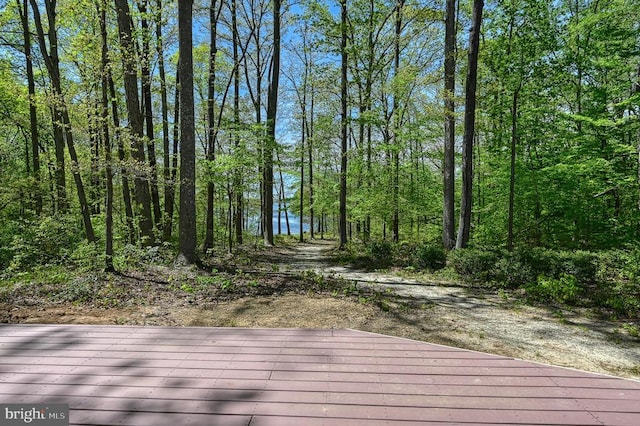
(299, 286)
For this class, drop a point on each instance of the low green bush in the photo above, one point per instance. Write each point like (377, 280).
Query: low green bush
(49, 240)
(380, 253)
(564, 289)
(474, 264)
(430, 256)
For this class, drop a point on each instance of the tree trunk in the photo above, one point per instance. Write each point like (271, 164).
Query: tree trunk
(187, 228)
(166, 165)
(512, 173)
(52, 63)
(396, 126)
(448, 167)
(303, 136)
(108, 212)
(343, 111)
(51, 59)
(214, 13)
(23, 9)
(171, 187)
(122, 156)
(237, 185)
(129, 65)
(270, 142)
(464, 226)
(147, 112)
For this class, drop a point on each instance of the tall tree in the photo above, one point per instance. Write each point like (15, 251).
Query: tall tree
(101, 6)
(60, 107)
(270, 142)
(52, 63)
(147, 110)
(23, 10)
(129, 65)
(464, 226)
(187, 225)
(215, 8)
(237, 184)
(343, 125)
(448, 166)
(169, 184)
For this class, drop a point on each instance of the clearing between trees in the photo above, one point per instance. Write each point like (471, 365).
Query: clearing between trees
(300, 286)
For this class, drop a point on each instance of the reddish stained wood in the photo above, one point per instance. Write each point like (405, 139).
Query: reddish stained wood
(230, 376)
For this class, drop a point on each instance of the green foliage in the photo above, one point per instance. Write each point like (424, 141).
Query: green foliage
(474, 264)
(430, 256)
(380, 253)
(50, 240)
(564, 289)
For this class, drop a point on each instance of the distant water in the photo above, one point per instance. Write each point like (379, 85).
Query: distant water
(294, 224)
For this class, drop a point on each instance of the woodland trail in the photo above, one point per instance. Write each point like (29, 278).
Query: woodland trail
(483, 320)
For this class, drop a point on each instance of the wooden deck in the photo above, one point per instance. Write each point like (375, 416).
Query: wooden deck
(231, 376)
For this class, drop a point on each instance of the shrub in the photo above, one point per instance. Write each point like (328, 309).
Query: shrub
(511, 270)
(548, 289)
(474, 264)
(380, 253)
(48, 241)
(430, 256)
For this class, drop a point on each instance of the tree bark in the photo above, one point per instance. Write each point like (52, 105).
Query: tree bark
(396, 125)
(464, 226)
(51, 59)
(237, 185)
(52, 63)
(214, 13)
(448, 168)
(166, 164)
(512, 170)
(23, 10)
(142, 196)
(343, 114)
(104, 113)
(147, 112)
(270, 142)
(187, 226)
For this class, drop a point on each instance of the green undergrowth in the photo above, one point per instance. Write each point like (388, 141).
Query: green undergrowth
(608, 281)
(147, 276)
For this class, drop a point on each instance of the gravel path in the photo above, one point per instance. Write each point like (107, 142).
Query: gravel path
(487, 322)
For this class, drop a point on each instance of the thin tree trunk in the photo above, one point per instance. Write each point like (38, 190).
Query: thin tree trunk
(147, 112)
(211, 122)
(108, 214)
(129, 65)
(303, 136)
(23, 9)
(464, 226)
(171, 187)
(310, 150)
(396, 126)
(51, 59)
(237, 186)
(448, 168)
(52, 63)
(343, 111)
(166, 162)
(122, 156)
(187, 229)
(270, 142)
(512, 173)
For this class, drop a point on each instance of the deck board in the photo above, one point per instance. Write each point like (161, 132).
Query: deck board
(232, 376)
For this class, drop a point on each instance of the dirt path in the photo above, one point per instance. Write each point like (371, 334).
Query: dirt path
(457, 315)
